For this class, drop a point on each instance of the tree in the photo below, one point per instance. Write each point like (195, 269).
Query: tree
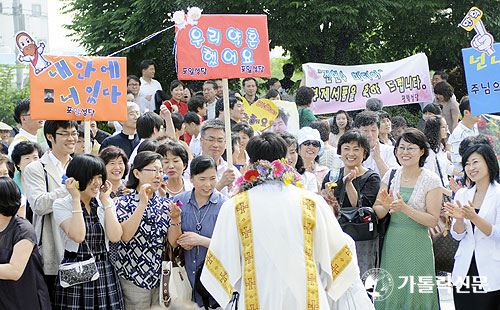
(9, 94)
(341, 32)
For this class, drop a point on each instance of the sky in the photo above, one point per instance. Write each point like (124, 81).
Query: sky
(59, 43)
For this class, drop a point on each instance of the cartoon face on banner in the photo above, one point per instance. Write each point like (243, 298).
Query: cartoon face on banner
(80, 88)
(223, 46)
(30, 53)
(259, 114)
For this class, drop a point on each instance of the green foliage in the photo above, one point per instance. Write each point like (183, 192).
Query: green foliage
(9, 94)
(411, 113)
(337, 32)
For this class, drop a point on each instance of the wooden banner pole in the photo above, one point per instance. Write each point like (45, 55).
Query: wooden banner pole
(86, 129)
(227, 123)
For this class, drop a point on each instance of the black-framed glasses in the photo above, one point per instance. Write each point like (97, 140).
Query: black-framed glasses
(311, 142)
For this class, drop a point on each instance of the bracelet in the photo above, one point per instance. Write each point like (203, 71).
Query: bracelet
(108, 207)
(77, 211)
(178, 224)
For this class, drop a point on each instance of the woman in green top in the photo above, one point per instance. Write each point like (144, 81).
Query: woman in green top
(414, 202)
(24, 153)
(303, 99)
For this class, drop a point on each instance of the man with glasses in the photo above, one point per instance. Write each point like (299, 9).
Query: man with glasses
(381, 156)
(43, 181)
(29, 127)
(213, 143)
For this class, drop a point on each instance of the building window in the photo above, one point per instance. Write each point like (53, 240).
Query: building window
(37, 10)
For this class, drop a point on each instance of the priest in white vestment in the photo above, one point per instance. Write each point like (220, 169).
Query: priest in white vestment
(278, 246)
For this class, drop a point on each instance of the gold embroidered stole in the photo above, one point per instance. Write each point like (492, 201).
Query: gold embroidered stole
(308, 224)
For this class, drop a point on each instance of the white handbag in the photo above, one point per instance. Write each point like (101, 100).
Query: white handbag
(174, 282)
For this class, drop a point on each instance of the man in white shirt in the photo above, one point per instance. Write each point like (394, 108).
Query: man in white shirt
(29, 127)
(146, 97)
(210, 93)
(381, 157)
(466, 127)
(192, 126)
(43, 185)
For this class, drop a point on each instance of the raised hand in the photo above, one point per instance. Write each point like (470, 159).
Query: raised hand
(454, 211)
(397, 205)
(385, 199)
(72, 187)
(106, 189)
(145, 193)
(174, 212)
(454, 185)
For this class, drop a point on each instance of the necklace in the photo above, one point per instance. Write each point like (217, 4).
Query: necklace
(198, 223)
(175, 192)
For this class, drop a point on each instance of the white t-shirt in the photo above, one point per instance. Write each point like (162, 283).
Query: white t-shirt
(459, 133)
(195, 145)
(387, 155)
(146, 90)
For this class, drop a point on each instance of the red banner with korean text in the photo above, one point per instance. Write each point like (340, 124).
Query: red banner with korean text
(80, 88)
(223, 46)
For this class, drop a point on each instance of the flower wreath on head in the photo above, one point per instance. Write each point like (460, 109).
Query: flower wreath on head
(264, 171)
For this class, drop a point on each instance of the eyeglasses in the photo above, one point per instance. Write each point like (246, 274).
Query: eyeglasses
(312, 142)
(212, 140)
(154, 171)
(402, 149)
(66, 135)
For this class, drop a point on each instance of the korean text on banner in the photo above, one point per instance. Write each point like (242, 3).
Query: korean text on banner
(80, 88)
(482, 74)
(224, 46)
(349, 87)
(259, 114)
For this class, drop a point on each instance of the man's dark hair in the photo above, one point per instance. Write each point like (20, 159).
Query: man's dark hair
(471, 140)
(249, 79)
(366, 118)
(398, 121)
(140, 161)
(432, 108)
(211, 82)
(24, 148)
(354, 135)
(233, 100)
(271, 82)
(191, 117)
(196, 103)
(283, 115)
(442, 74)
(464, 105)
(201, 164)
(413, 136)
(219, 106)
(112, 152)
(304, 96)
(176, 83)
(444, 89)
(83, 168)
(322, 128)
(50, 127)
(245, 128)
(10, 197)
(148, 145)
(146, 123)
(146, 63)
(288, 70)
(272, 93)
(22, 108)
(374, 104)
(133, 77)
(178, 120)
(175, 148)
(268, 146)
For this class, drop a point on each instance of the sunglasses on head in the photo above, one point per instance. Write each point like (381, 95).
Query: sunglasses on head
(312, 142)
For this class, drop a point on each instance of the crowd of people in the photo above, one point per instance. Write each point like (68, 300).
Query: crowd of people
(162, 177)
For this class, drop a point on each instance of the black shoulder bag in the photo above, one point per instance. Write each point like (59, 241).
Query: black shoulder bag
(361, 223)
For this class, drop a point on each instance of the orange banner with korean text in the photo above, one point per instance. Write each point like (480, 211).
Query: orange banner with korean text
(80, 88)
(223, 46)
